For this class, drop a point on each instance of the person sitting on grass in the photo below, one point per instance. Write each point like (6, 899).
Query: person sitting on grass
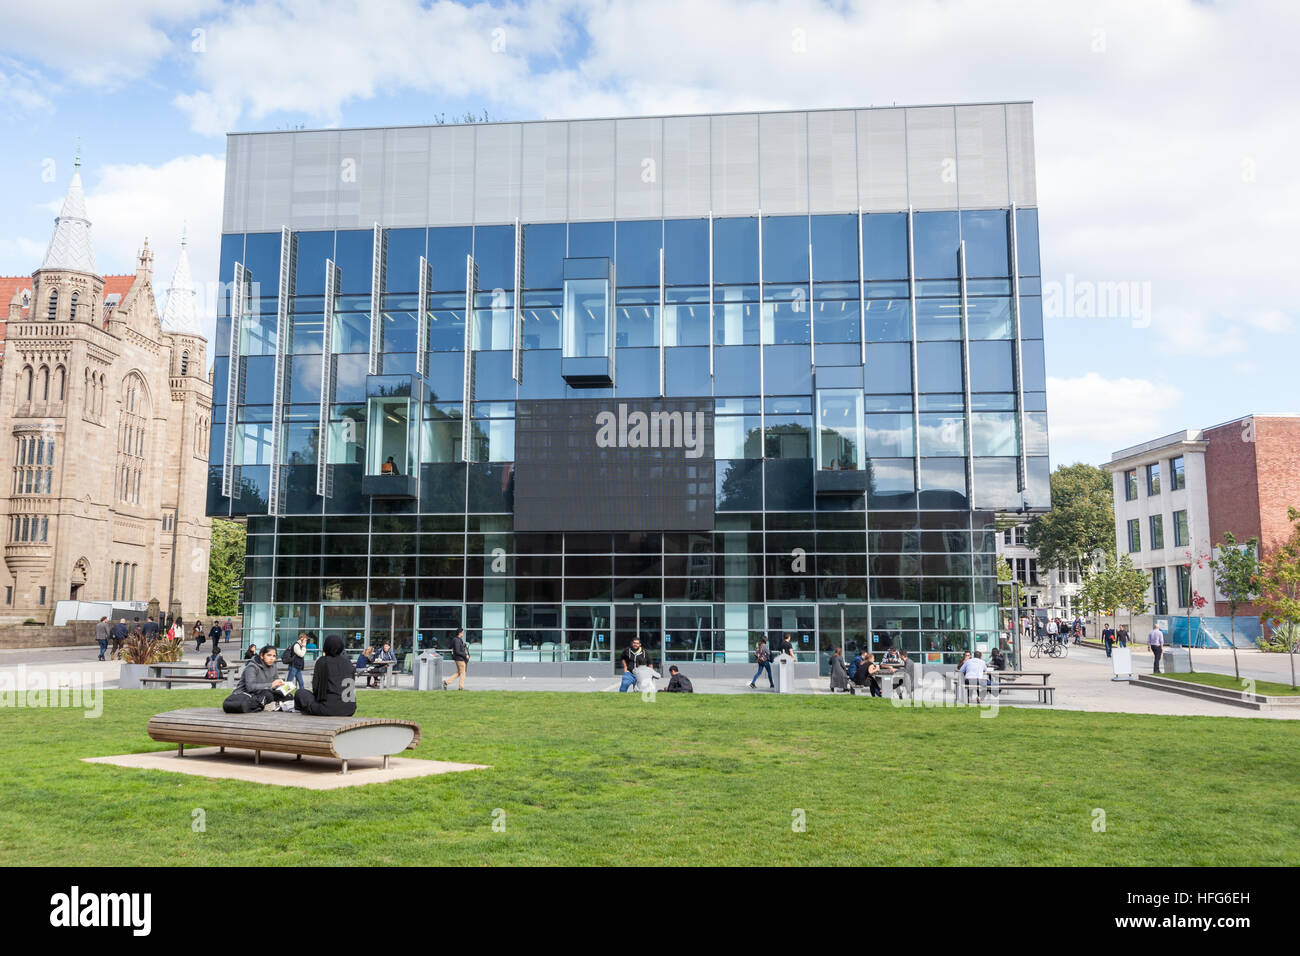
(333, 684)
(678, 683)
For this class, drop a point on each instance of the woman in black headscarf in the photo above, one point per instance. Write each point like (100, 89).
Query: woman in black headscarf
(333, 684)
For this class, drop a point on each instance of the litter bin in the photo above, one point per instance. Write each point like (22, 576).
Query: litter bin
(784, 674)
(428, 671)
(1174, 660)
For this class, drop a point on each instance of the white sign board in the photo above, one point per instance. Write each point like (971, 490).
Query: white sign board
(1121, 658)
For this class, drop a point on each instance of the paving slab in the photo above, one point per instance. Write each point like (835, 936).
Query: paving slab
(282, 770)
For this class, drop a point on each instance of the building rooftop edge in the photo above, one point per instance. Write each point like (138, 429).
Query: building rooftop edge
(591, 119)
(1190, 434)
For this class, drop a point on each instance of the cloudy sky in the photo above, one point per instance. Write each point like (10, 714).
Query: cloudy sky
(1167, 140)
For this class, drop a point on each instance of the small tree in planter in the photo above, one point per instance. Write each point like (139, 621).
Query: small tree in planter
(1278, 582)
(136, 653)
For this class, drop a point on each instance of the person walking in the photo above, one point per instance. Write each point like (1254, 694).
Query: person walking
(1156, 641)
(215, 633)
(764, 658)
(1052, 630)
(101, 635)
(296, 657)
(634, 656)
(459, 654)
(225, 631)
(199, 635)
(1108, 638)
(150, 628)
(119, 636)
(1121, 636)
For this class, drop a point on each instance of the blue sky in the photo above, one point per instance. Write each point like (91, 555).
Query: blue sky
(1166, 140)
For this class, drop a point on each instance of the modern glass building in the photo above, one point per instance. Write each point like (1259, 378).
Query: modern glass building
(692, 378)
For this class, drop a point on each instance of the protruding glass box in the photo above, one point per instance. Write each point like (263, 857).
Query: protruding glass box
(392, 423)
(587, 340)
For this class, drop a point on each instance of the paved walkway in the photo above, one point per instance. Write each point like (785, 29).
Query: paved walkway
(1082, 680)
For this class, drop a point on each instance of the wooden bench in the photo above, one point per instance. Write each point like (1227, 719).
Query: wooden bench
(343, 738)
(167, 680)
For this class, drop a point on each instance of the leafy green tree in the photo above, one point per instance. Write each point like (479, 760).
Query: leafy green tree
(1234, 571)
(225, 567)
(1080, 527)
(1097, 591)
(1278, 582)
(1129, 589)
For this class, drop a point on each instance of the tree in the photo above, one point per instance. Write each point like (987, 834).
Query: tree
(1097, 592)
(1278, 583)
(1234, 571)
(225, 567)
(1080, 527)
(1129, 588)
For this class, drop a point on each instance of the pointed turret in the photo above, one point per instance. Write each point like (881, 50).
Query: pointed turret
(180, 316)
(70, 247)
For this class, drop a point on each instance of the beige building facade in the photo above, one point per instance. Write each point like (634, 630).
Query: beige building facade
(105, 411)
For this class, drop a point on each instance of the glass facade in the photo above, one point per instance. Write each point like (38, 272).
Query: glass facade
(878, 394)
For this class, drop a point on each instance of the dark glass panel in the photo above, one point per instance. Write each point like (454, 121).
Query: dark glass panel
(934, 247)
(984, 231)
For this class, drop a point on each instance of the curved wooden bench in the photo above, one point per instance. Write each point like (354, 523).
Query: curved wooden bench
(344, 738)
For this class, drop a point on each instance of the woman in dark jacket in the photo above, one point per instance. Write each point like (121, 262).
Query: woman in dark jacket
(333, 684)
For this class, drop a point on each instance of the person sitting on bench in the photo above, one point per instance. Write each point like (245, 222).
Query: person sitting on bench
(867, 675)
(257, 685)
(333, 684)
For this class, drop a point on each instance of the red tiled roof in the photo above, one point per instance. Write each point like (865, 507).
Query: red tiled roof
(11, 284)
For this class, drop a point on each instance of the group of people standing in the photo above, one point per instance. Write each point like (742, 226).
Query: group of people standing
(107, 633)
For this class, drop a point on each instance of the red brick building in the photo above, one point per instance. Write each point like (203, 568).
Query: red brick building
(17, 291)
(1180, 493)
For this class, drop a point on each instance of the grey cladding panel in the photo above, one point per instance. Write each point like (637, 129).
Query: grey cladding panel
(639, 149)
(451, 175)
(882, 160)
(735, 165)
(591, 170)
(406, 183)
(685, 167)
(931, 158)
(832, 162)
(316, 177)
(1020, 154)
(981, 155)
(783, 163)
(786, 163)
(544, 175)
(496, 173)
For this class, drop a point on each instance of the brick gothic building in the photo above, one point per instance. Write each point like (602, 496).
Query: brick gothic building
(105, 411)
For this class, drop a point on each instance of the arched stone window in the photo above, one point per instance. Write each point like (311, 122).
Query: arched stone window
(185, 363)
(45, 383)
(27, 381)
(72, 306)
(60, 377)
(54, 305)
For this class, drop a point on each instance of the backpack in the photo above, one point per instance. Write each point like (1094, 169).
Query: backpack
(214, 669)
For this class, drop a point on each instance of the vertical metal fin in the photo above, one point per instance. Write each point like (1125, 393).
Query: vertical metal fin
(283, 349)
(324, 472)
(467, 406)
(230, 483)
(378, 269)
(517, 334)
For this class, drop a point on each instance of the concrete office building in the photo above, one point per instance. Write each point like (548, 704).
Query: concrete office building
(692, 378)
(1178, 494)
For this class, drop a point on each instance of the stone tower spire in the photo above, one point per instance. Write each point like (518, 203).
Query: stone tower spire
(70, 247)
(180, 315)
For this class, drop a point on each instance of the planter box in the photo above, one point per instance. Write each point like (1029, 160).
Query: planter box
(131, 674)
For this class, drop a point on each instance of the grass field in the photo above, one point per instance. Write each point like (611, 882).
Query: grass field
(611, 779)
(1266, 687)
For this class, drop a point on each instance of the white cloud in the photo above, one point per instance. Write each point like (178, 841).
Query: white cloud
(21, 256)
(1094, 414)
(98, 44)
(23, 90)
(127, 203)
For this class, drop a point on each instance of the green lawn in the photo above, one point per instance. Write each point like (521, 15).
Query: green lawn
(610, 779)
(1266, 687)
